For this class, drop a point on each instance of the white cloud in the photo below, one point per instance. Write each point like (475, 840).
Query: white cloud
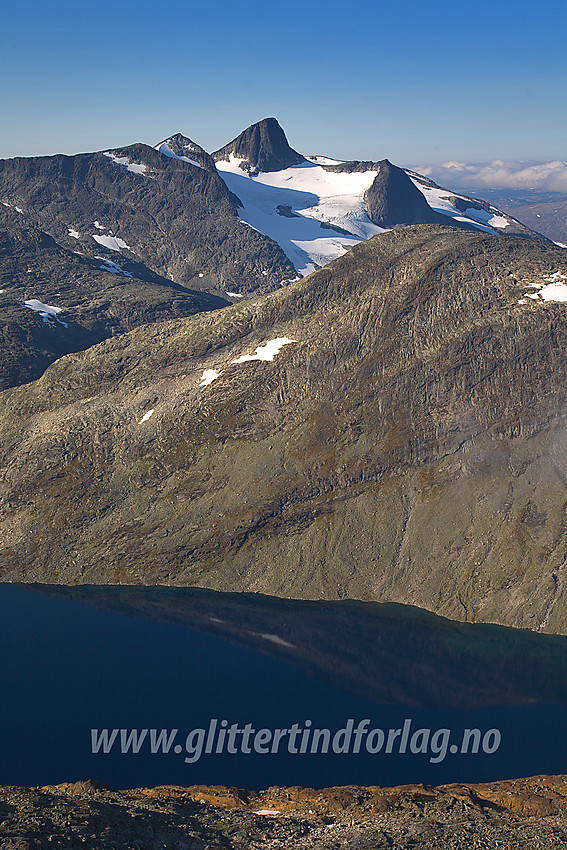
(548, 176)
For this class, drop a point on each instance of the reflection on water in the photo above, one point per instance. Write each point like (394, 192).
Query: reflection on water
(137, 658)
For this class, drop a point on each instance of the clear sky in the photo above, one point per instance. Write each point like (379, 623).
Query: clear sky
(421, 81)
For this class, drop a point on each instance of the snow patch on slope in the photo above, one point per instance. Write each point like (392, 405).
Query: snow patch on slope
(267, 351)
(111, 242)
(209, 375)
(134, 167)
(554, 290)
(440, 200)
(46, 311)
(113, 268)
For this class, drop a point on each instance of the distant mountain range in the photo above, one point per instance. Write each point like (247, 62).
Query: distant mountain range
(389, 427)
(249, 217)
(112, 240)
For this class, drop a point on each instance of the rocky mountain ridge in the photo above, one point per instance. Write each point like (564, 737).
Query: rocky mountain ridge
(388, 428)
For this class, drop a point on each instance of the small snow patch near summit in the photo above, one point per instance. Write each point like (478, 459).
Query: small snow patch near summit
(325, 160)
(167, 151)
(267, 351)
(134, 167)
(146, 416)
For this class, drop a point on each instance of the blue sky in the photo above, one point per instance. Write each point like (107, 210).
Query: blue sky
(417, 82)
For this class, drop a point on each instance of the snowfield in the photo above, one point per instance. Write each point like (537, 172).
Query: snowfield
(438, 200)
(294, 205)
(298, 207)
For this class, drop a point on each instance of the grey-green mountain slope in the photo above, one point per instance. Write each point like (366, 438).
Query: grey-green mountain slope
(406, 444)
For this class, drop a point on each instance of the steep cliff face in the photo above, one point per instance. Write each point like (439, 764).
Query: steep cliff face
(262, 147)
(391, 428)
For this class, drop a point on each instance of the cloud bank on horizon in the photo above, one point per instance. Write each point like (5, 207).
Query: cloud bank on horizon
(498, 174)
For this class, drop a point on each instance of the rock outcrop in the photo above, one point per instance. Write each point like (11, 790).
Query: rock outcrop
(512, 815)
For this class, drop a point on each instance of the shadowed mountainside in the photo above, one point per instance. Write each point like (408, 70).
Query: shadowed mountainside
(95, 298)
(176, 217)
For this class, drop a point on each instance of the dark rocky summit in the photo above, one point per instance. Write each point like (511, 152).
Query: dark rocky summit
(407, 446)
(183, 148)
(524, 814)
(393, 199)
(263, 147)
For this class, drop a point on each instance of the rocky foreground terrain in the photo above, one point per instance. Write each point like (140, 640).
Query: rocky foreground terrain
(520, 815)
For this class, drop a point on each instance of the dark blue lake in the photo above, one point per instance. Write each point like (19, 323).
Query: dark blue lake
(167, 659)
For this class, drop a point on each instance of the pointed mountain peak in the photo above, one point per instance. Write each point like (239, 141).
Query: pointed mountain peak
(182, 147)
(262, 147)
(393, 199)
